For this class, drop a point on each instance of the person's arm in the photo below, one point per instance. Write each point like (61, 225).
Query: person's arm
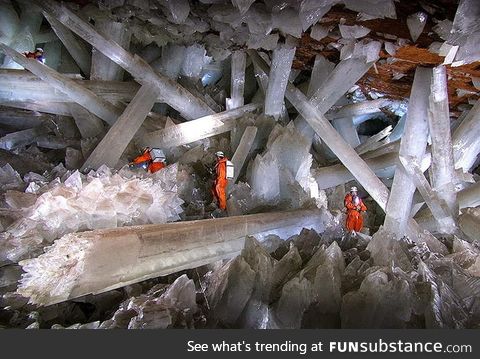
(348, 203)
(362, 206)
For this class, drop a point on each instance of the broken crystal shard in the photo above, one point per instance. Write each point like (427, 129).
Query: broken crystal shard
(174, 95)
(379, 303)
(443, 169)
(111, 147)
(49, 285)
(195, 130)
(243, 150)
(278, 79)
(413, 143)
(102, 67)
(82, 96)
(416, 23)
(74, 46)
(353, 32)
(237, 81)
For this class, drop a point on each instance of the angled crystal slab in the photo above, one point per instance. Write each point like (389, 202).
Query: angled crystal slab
(74, 46)
(118, 137)
(142, 252)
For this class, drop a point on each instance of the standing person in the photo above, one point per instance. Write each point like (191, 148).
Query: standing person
(355, 206)
(221, 182)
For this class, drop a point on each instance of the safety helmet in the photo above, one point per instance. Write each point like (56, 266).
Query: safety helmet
(39, 49)
(219, 154)
(353, 189)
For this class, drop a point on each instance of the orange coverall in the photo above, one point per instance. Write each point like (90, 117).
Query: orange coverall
(152, 166)
(354, 217)
(220, 184)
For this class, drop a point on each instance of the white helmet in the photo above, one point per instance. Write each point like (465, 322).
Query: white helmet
(39, 49)
(353, 189)
(219, 154)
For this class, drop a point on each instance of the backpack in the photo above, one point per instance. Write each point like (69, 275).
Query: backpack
(157, 155)
(230, 169)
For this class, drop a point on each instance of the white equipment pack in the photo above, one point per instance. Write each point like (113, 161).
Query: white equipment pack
(157, 155)
(230, 170)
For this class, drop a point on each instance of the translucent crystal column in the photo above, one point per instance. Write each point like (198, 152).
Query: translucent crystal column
(173, 94)
(443, 169)
(237, 81)
(346, 154)
(242, 151)
(466, 139)
(413, 143)
(103, 260)
(278, 79)
(111, 147)
(340, 80)
(195, 130)
(74, 46)
(102, 67)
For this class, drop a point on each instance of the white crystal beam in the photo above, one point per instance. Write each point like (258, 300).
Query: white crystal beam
(413, 144)
(101, 260)
(346, 154)
(118, 137)
(74, 46)
(102, 67)
(238, 80)
(443, 168)
(195, 130)
(84, 97)
(437, 205)
(242, 151)
(466, 139)
(341, 79)
(174, 95)
(278, 79)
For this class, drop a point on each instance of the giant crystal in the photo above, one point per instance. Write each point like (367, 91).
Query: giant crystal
(141, 252)
(413, 143)
(278, 78)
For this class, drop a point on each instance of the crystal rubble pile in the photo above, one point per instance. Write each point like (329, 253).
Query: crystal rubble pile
(74, 202)
(310, 281)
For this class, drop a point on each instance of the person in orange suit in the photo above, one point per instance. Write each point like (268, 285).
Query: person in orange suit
(146, 161)
(37, 55)
(355, 206)
(221, 182)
